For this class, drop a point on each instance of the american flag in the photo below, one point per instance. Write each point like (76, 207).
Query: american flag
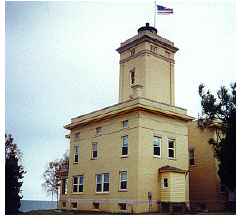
(164, 10)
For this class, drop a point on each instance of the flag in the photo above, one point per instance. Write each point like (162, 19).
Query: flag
(164, 10)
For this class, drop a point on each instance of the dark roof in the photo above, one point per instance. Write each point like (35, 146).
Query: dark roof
(168, 168)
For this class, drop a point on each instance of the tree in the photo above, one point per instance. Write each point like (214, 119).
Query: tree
(52, 175)
(13, 174)
(220, 113)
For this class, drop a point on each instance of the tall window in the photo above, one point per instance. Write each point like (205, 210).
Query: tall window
(165, 183)
(132, 52)
(125, 146)
(99, 130)
(64, 186)
(102, 183)
(125, 124)
(157, 146)
(153, 48)
(95, 152)
(171, 144)
(78, 184)
(77, 135)
(132, 77)
(191, 157)
(76, 158)
(167, 54)
(123, 180)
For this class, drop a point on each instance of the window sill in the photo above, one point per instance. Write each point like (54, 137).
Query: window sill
(123, 190)
(94, 158)
(172, 159)
(124, 156)
(77, 193)
(75, 163)
(156, 156)
(101, 193)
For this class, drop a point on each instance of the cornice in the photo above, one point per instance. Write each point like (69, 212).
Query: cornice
(116, 111)
(147, 38)
(146, 52)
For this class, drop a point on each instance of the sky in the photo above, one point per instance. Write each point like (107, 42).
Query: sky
(60, 62)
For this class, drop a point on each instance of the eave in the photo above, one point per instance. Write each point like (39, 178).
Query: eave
(122, 108)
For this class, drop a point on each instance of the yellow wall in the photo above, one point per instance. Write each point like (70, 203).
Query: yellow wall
(204, 181)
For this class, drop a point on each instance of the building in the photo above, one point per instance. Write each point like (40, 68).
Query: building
(132, 156)
(205, 191)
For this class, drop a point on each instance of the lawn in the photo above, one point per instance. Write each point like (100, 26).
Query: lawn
(54, 212)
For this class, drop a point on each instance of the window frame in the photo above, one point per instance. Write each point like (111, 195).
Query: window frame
(76, 154)
(77, 136)
(120, 206)
(64, 185)
(165, 184)
(153, 48)
(132, 52)
(95, 206)
(79, 185)
(132, 77)
(122, 181)
(103, 183)
(94, 152)
(167, 54)
(73, 205)
(159, 138)
(99, 130)
(125, 148)
(171, 149)
(191, 158)
(124, 122)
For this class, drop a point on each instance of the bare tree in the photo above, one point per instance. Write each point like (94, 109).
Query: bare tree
(52, 176)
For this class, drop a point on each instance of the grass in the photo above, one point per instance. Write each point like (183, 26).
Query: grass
(54, 212)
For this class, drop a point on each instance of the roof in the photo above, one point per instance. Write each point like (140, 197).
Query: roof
(168, 168)
(130, 106)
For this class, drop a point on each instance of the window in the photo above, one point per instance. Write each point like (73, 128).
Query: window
(63, 204)
(153, 48)
(132, 77)
(165, 183)
(157, 146)
(102, 183)
(77, 136)
(122, 206)
(64, 186)
(74, 205)
(95, 152)
(76, 158)
(171, 144)
(99, 130)
(95, 206)
(123, 181)
(132, 52)
(191, 157)
(125, 124)
(78, 182)
(125, 146)
(167, 54)
(222, 187)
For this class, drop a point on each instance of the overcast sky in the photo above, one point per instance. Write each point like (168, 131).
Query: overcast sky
(60, 62)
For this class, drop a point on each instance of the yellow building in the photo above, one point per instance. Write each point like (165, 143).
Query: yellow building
(132, 156)
(206, 191)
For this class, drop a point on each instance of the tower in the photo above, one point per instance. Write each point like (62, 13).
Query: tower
(147, 67)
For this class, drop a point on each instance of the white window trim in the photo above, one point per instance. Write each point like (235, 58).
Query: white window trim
(174, 148)
(94, 150)
(163, 183)
(154, 147)
(102, 184)
(76, 153)
(125, 155)
(78, 184)
(123, 181)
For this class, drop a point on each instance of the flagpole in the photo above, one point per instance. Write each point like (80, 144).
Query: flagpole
(155, 14)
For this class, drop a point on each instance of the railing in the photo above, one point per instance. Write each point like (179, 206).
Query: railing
(65, 166)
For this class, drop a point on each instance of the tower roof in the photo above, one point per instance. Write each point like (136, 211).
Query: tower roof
(147, 28)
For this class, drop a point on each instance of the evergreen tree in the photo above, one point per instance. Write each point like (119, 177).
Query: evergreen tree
(13, 174)
(221, 114)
